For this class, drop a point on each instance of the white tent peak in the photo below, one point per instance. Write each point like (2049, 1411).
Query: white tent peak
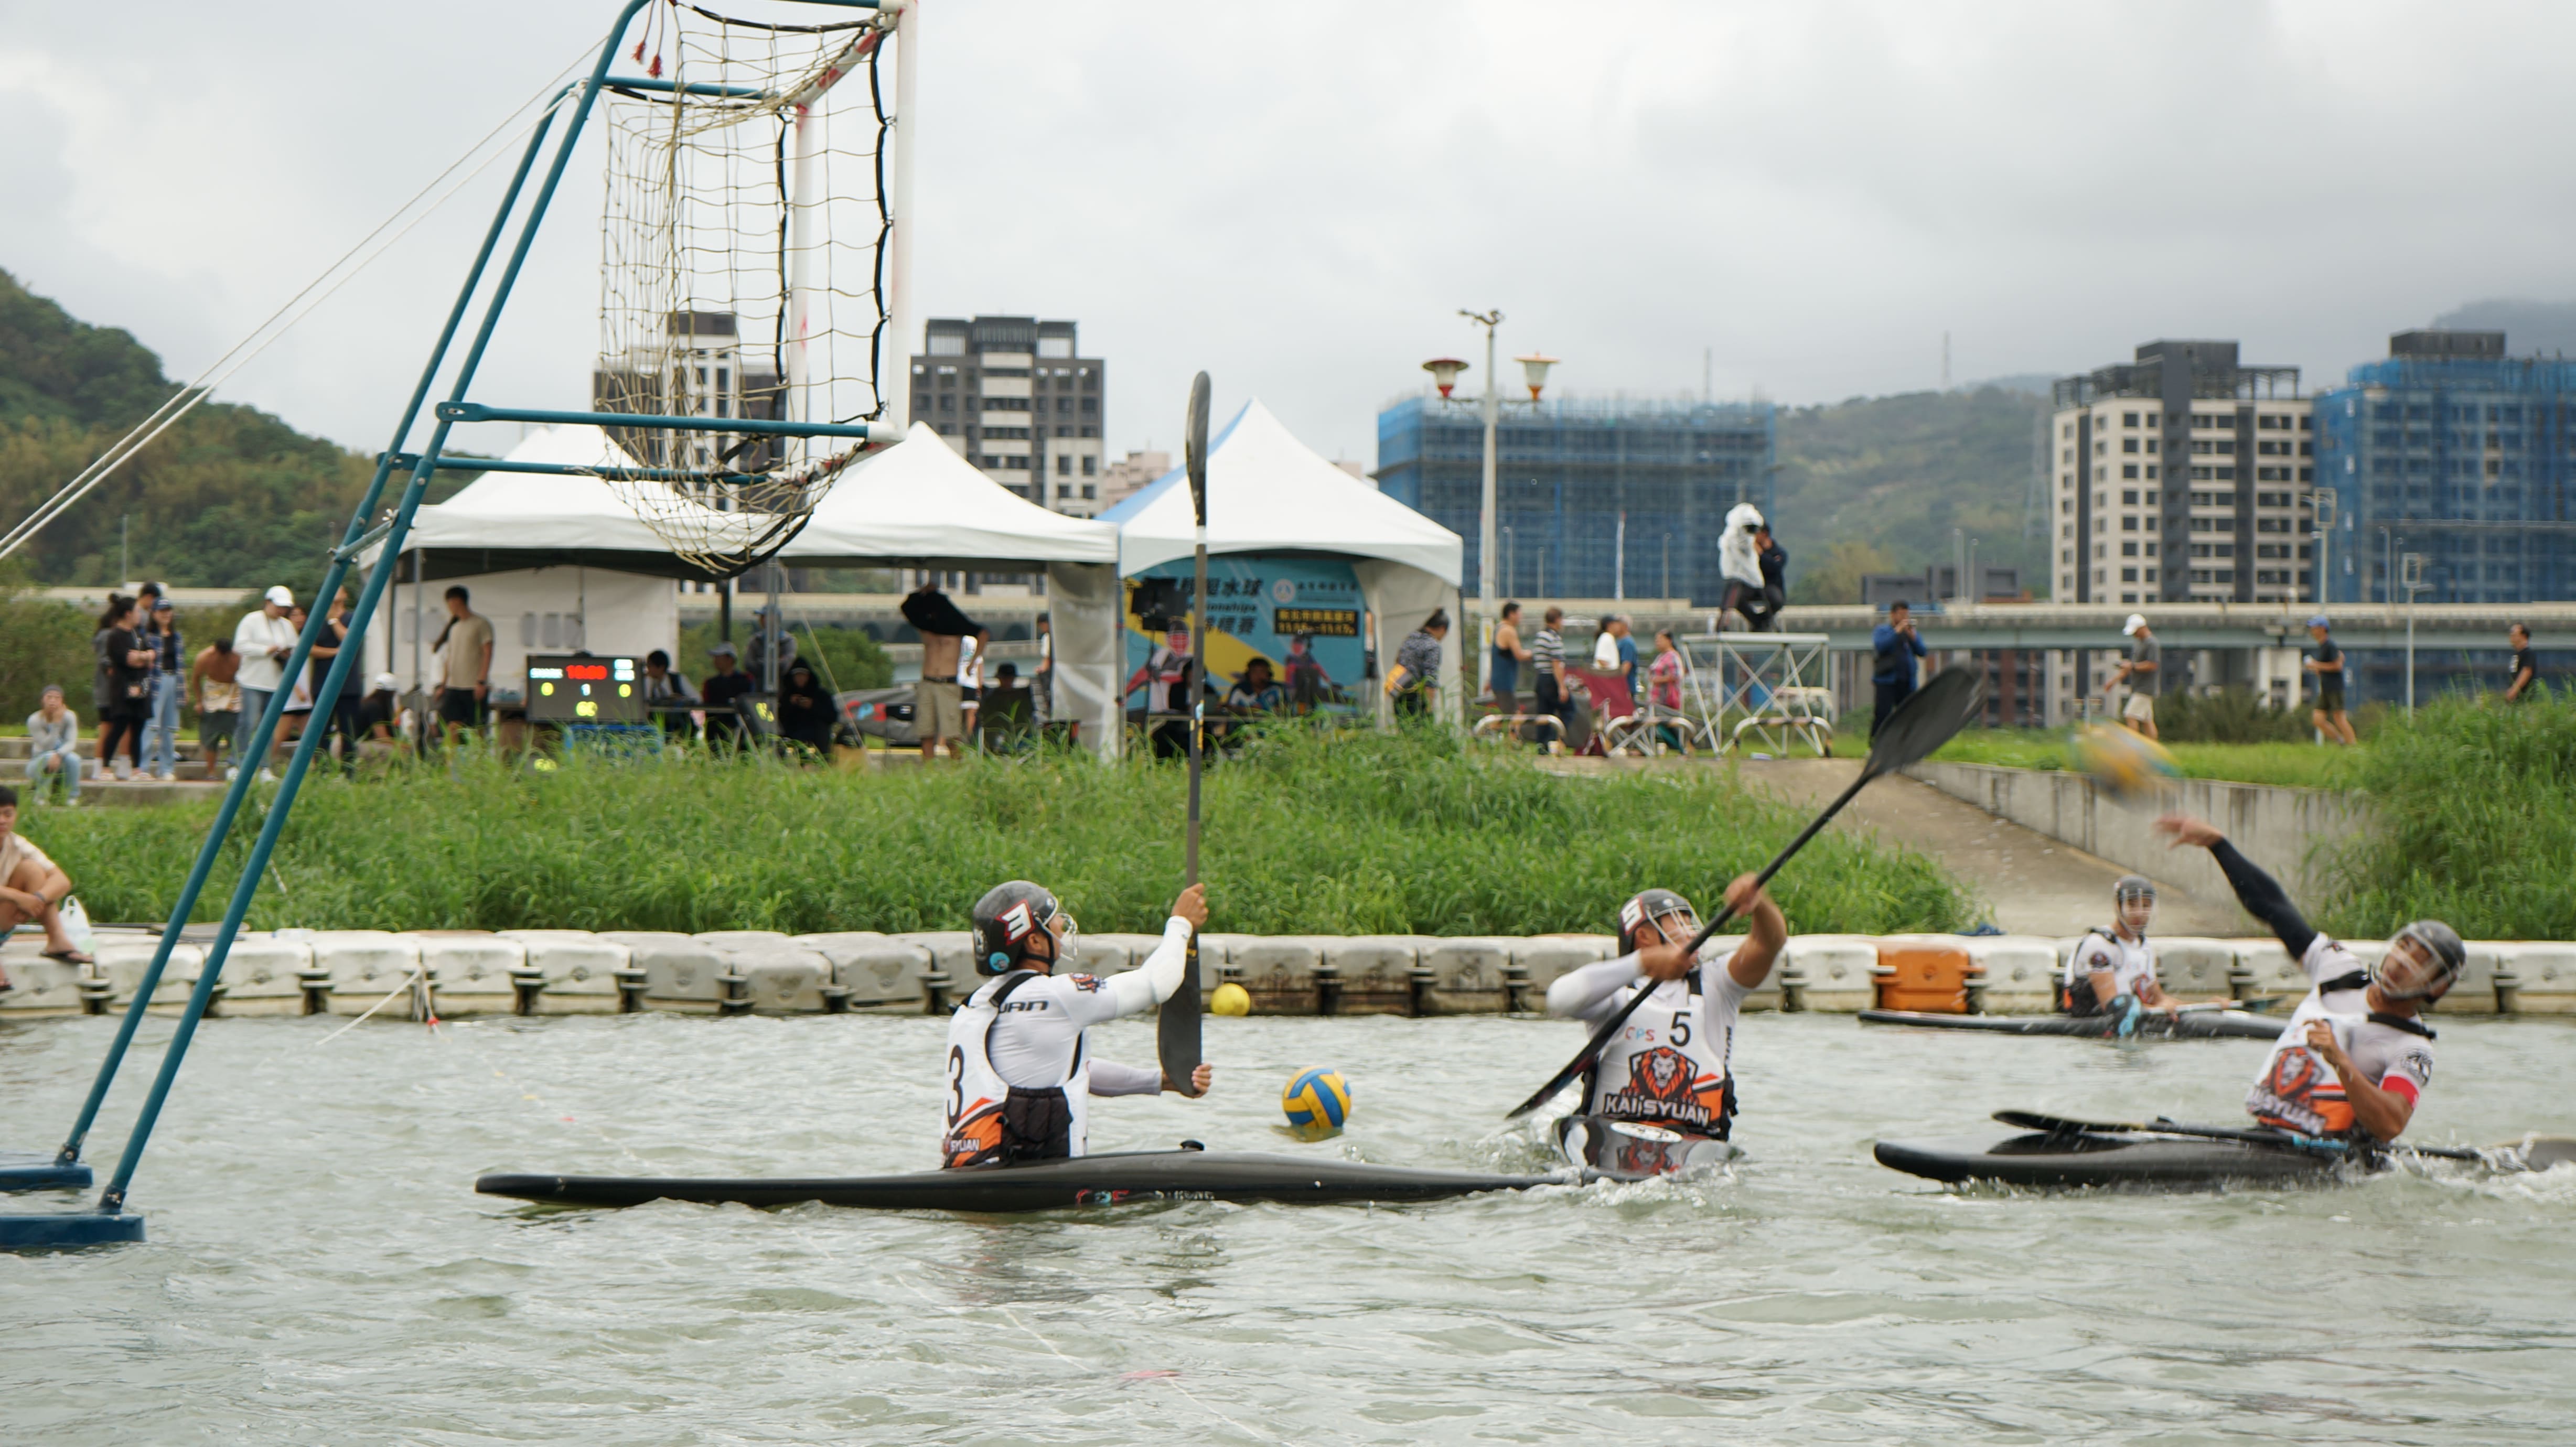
(918, 502)
(1269, 493)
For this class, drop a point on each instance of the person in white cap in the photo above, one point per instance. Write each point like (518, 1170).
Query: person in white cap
(263, 639)
(2138, 671)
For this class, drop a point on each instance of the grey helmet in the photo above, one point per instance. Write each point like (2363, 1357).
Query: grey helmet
(1656, 905)
(1006, 919)
(2404, 980)
(2132, 889)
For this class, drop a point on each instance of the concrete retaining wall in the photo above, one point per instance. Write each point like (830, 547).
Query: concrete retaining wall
(344, 972)
(2287, 831)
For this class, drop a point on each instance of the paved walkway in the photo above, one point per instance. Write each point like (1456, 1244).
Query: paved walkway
(2032, 883)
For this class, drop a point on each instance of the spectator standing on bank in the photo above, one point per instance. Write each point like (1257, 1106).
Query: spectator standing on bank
(465, 678)
(1508, 656)
(33, 887)
(1775, 578)
(666, 693)
(263, 639)
(938, 708)
(1547, 675)
(1042, 678)
(1894, 646)
(100, 682)
(1415, 682)
(2140, 671)
(336, 715)
(217, 698)
(297, 712)
(2526, 665)
(161, 711)
(1664, 690)
(2325, 660)
(726, 687)
(53, 747)
(1739, 562)
(129, 688)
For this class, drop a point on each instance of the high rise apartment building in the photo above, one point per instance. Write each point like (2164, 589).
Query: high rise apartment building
(1132, 474)
(1016, 398)
(2183, 477)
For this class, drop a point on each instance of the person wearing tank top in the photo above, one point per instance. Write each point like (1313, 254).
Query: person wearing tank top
(1668, 1066)
(2356, 1058)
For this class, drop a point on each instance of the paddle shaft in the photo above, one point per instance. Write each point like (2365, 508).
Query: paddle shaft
(1176, 1025)
(2162, 1126)
(1602, 1037)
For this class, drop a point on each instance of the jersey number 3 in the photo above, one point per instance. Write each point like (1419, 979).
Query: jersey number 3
(956, 1081)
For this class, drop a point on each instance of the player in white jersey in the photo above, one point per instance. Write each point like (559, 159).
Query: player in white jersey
(2356, 1057)
(1663, 1080)
(1020, 1067)
(2112, 970)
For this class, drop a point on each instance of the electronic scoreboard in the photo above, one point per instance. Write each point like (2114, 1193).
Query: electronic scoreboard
(585, 688)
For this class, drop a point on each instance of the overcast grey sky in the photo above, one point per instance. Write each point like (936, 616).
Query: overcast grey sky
(1299, 198)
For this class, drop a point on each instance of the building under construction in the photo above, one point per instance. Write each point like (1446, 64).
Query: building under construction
(1594, 497)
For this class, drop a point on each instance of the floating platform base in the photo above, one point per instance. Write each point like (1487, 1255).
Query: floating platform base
(28, 1171)
(67, 1230)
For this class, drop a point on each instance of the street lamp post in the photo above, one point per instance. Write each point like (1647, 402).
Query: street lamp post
(1444, 372)
(2412, 579)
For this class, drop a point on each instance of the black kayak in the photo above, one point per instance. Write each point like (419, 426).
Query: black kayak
(1620, 1150)
(2089, 1158)
(1102, 1180)
(2189, 1025)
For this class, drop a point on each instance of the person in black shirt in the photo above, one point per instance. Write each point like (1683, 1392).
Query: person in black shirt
(128, 653)
(1775, 581)
(724, 689)
(2325, 660)
(805, 710)
(2526, 665)
(380, 721)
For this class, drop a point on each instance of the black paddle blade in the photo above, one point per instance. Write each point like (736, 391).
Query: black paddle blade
(1194, 452)
(1176, 1024)
(1927, 719)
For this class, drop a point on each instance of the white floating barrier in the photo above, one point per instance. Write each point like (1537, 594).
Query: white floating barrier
(580, 969)
(679, 972)
(1839, 969)
(261, 974)
(1467, 968)
(1547, 957)
(879, 971)
(122, 961)
(365, 964)
(779, 976)
(470, 971)
(2020, 970)
(44, 987)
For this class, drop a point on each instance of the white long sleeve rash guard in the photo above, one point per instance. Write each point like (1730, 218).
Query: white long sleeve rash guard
(1033, 1043)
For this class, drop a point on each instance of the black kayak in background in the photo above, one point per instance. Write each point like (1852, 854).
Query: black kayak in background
(2088, 1158)
(1102, 1180)
(2156, 1025)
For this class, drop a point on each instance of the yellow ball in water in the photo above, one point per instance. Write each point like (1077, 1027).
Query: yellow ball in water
(1230, 999)
(2123, 764)
(1317, 1103)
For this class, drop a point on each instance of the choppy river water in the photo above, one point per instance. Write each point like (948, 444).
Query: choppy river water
(320, 1271)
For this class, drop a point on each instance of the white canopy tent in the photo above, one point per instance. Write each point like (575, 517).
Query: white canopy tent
(1270, 493)
(556, 561)
(920, 505)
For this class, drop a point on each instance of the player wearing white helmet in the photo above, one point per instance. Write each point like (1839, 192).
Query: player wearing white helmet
(2356, 1056)
(1020, 1068)
(2112, 970)
(1665, 1077)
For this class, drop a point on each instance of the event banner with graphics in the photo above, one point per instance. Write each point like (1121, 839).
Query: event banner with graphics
(1301, 615)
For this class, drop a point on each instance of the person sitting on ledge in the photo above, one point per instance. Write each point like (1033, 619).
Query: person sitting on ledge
(32, 889)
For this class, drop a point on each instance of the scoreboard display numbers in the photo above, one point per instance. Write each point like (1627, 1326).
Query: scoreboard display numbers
(585, 688)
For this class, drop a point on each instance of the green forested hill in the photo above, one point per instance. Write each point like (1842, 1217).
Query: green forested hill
(229, 497)
(1876, 484)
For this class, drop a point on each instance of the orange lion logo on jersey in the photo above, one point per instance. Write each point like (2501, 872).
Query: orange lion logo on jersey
(1661, 1087)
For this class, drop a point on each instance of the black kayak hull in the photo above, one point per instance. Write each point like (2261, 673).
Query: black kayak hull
(2101, 1159)
(1611, 1150)
(2190, 1025)
(1102, 1180)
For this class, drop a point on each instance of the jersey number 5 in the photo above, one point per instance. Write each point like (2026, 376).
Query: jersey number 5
(1681, 1033)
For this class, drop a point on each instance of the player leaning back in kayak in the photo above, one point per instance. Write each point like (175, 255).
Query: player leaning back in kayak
(2355, 1058)
(1020, 1068)
(1662, 1083)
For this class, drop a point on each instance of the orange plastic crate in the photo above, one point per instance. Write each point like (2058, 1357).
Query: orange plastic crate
(1927, 975)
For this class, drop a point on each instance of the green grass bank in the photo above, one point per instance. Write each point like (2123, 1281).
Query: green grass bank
(1305, 834)
(2476, 804)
